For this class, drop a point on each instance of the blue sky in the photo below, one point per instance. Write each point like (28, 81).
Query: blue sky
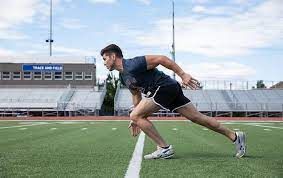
(215, 39)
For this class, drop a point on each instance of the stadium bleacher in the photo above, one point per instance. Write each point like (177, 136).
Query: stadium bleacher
(50, 101)
(252, 102)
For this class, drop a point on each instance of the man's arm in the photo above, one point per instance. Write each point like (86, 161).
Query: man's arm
(155, 60)
(136, 96)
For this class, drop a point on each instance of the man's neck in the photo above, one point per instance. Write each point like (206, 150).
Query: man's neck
(119, 64)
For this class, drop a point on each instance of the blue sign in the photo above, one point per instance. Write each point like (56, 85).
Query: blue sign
(42, 67)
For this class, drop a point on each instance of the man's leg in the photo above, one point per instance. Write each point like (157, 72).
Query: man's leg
(191, 113)
(139, 116)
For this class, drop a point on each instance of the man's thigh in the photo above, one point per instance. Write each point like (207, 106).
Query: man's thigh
(145, 108)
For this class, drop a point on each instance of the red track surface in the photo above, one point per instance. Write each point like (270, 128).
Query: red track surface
(151, 118)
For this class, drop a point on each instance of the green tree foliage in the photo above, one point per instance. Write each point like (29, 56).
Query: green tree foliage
(111, 86)
(260, 84)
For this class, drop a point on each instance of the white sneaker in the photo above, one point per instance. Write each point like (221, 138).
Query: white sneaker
(240, 144)
(161, 153)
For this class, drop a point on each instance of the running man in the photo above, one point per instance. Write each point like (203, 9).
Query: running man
(140, 75)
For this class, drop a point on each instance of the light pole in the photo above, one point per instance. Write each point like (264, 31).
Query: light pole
(50, 40)
(173, 31)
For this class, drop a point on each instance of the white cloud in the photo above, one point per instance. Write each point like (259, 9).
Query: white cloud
(72, 51)
(42, 49)
(214, 70)
(147, 2)
(72, 24)
(200, 1)
(224, 70)
(37, 54)
(220, 10)
(259, 27)
(14, 12)
(102, 1)
(199, 9)
(18, 12)
(12, 35)
(241, 1)
(5, 52)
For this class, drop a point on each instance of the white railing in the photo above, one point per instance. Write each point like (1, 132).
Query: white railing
(233, 84)
(231, 107)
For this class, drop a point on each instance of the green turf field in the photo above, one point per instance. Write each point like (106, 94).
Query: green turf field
(104, 149)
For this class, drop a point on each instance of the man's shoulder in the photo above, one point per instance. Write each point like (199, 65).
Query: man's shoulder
(136, 64)
(135, 58)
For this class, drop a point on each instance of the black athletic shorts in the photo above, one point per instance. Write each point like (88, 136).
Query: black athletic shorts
(169, 97)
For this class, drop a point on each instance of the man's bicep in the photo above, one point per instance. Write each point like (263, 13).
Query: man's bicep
(153, 61)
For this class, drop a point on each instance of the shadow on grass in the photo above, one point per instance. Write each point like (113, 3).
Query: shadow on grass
(213, 155)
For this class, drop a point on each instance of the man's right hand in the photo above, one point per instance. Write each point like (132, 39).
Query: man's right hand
(189, 81)
(135, 130)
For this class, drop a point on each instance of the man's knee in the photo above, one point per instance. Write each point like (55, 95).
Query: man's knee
(135, 116)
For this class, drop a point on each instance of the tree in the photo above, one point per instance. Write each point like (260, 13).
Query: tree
(260, 84)
(111, 86)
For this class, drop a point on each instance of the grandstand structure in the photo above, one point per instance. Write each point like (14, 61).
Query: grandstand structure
(50, 89)
(218, 98)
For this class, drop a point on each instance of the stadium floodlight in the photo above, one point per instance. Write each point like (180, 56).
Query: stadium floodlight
(173, 33)
(50, 40)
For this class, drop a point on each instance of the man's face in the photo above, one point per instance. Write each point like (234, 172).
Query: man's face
(109, 60)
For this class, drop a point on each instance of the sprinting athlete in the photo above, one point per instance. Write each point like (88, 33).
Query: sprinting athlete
(140, 75)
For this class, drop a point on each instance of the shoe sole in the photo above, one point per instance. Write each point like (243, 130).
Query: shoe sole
(165, 157)
(245, 146)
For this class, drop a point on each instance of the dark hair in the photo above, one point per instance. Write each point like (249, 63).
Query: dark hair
(112, 48)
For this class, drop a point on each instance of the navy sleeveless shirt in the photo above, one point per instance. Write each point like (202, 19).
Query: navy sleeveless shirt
(136, 76)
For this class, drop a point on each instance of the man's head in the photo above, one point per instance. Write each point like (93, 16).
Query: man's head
(109, 54)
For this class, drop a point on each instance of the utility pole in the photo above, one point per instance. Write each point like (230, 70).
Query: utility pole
(173, 30)
(50, 40)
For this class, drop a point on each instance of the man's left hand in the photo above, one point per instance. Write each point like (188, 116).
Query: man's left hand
(135, 130)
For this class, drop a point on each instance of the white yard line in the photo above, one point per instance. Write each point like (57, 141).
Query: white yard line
(93, 121)
(20, 126)
(135, 163)
(250, 122)
(265, 126)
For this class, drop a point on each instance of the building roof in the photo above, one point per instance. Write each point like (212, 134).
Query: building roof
(278, 85)
(48, 59)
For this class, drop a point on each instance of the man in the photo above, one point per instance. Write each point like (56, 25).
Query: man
(140, 75)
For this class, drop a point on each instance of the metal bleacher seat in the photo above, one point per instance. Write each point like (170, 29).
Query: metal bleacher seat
(85, 99)
(29, 98)
(199, 99)
(260, 100)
